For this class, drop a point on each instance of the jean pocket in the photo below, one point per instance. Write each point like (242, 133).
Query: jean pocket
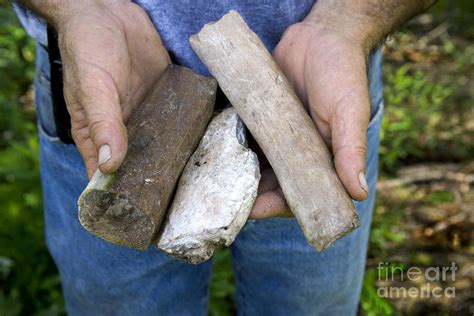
(43, 100)
(373, 144)
(376, 120)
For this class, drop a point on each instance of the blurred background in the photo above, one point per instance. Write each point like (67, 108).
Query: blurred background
(425, 203)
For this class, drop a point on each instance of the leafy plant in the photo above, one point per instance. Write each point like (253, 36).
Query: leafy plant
(371, 303)
(29, 282)
(222, 286)
(414, 119)
(16, 67)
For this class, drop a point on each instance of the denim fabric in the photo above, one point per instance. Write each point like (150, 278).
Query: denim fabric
(277, 272)
(34, 25)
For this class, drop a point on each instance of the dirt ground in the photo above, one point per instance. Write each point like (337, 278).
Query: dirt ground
(429, 207)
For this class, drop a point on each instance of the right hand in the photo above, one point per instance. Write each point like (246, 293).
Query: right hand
(112, 55)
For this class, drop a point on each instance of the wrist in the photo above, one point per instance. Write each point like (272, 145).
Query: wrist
(347, 23)
(366, 22)
(58, 12)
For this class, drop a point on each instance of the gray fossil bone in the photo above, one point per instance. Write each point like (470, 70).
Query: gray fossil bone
(215, 192)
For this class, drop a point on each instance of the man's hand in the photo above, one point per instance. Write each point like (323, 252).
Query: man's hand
(325, 59)
(328, 72)
(111, 56)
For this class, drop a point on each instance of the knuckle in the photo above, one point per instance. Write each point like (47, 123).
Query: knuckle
(97, 126)
(359, 151)
(81, 139)
(349, 151)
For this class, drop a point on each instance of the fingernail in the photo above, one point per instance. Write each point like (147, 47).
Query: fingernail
(104, 154)
(363, 182)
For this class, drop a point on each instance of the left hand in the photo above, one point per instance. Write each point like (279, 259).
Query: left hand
(328, 70)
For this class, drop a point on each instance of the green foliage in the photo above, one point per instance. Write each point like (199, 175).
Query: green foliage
(461, 14)
(29, 282)
(222, 286)
(370, 302)
(16, 67)
(414, 118)
(438, 197)
(387, 228)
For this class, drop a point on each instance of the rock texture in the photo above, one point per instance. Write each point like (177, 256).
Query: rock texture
(127, 208)
(215, 192)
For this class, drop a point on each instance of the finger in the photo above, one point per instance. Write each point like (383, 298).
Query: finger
(80, 132)
(86, 148)
(268, 181)
(270, 204)
(106, 127)
(339, 96)
(109, 136)
(348, 126)
(288, 54)
(348, 132)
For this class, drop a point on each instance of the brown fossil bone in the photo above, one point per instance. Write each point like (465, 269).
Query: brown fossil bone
(127, 208)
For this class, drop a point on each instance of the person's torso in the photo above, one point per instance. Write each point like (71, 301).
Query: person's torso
(177, 20)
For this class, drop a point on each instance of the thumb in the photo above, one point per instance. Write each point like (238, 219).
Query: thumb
(339, 104)
(107, 131)
(348, 133)
(270, 201)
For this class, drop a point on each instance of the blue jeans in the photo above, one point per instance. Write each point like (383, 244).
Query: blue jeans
(277, 272)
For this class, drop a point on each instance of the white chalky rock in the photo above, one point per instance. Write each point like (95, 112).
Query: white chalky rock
(215, 192)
